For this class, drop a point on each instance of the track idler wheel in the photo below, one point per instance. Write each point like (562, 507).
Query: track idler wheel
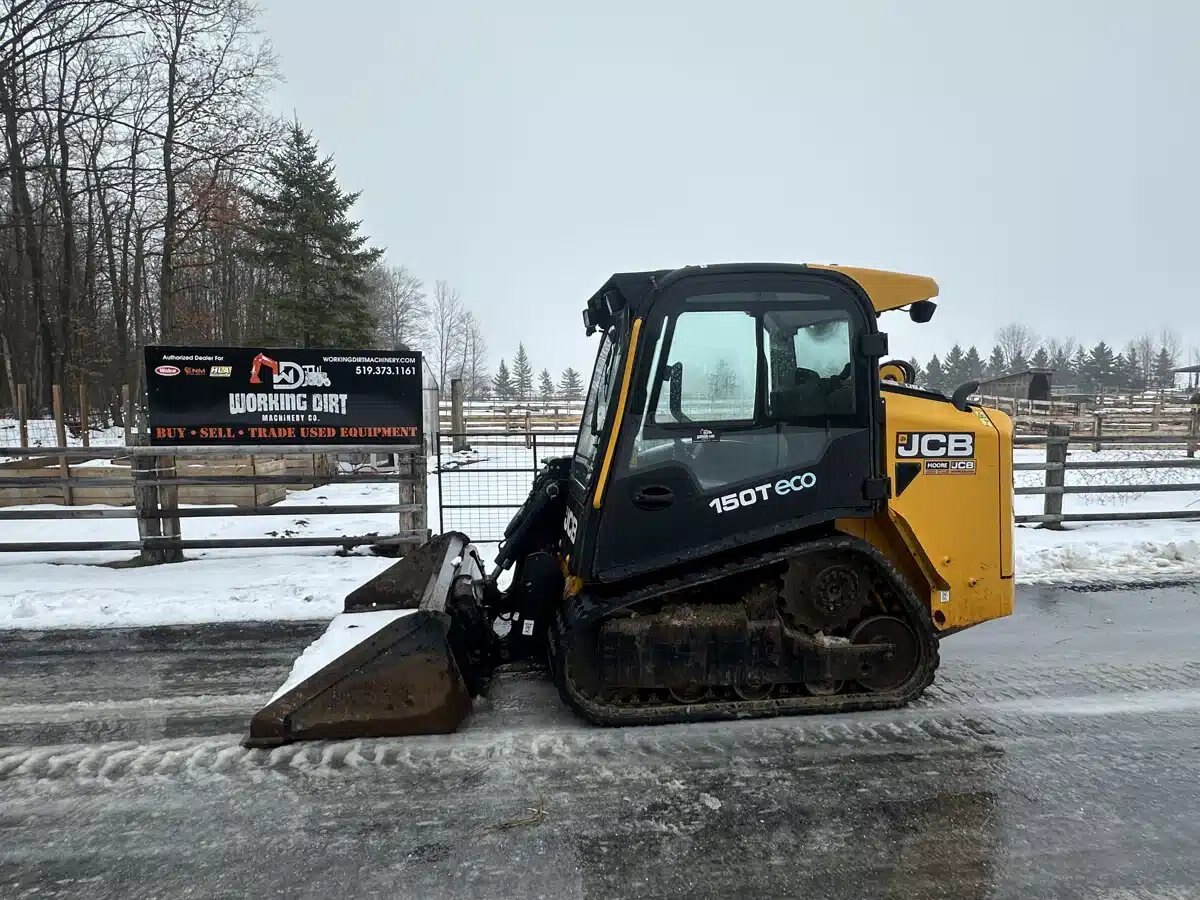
(892, 669)
(753, 691)
(826, 687)
(688, 694)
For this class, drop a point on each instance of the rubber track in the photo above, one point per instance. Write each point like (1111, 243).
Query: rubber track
(601, 713)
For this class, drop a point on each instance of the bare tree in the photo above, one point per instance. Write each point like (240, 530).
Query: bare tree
(41, 42)
(1017, 342)
(447, 325)
(211, 70)
(398, 300)
(1060, 349)
(474, 359)
(1146, 351)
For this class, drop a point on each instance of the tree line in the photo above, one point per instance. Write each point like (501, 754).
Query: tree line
(517, 382)
(1144, 363)
(147, 195)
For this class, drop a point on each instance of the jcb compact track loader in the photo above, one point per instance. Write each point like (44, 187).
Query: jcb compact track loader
(758, 519)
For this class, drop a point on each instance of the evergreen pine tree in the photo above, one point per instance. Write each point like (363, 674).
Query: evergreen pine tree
(935, 377)
(522, 374)
(1100, 365)
(1082, 371)
(1060, 361)
(1164, 370)
(570, 384)
(1041, 359)
(973, 364)
(546, 384)
(317, 260)
(995, 364)
(1133, 380)
(954, 369)
(1121, 375)
(502, 384)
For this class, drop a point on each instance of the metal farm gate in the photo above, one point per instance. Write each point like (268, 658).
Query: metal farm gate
(482, 485)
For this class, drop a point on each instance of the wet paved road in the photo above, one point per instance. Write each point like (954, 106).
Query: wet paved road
(1057, 756)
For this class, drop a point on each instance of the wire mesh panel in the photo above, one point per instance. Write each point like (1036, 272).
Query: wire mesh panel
(481, 486)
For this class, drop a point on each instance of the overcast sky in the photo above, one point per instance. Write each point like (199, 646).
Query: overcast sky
(1039, 159)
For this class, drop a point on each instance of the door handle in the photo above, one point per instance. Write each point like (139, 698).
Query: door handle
(654, 496)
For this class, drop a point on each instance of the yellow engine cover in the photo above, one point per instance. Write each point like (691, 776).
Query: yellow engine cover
(949, 522)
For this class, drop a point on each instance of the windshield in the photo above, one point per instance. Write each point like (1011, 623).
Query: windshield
(601, 390)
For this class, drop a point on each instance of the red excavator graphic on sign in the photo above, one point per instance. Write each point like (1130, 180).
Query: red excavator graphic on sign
(259, 361)
(288, 376)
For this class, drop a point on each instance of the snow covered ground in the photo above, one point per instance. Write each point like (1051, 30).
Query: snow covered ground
(1111, 551)
(60, 590)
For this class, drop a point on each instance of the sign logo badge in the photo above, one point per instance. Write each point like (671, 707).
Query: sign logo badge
(168, 371)
(287, 376)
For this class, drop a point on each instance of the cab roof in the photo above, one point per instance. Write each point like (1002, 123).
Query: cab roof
(886, 290)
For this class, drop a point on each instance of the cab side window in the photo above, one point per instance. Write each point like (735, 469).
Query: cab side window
(712, 368)
(809, 369)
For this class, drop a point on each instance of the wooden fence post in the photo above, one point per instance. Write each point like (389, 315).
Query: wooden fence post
(457, 424)
(145, 500)
(1057, 435)
(60, 435)
(23, 413)
(528, 431)
(418, 521)
(168, 498)
(1097, 430)
(144, 469)
(84, 410)
(1195, 429)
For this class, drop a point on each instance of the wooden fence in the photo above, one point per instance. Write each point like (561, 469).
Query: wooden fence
(70, 413)
(538, 416)
(159, 477)
(1057, 463)
(1166, 417)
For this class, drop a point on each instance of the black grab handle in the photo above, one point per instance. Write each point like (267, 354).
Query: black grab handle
(654, 496)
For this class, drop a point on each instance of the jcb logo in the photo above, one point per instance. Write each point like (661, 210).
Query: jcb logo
(935, 444)
(571, 526)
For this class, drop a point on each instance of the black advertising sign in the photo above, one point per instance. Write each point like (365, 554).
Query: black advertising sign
(252, 395)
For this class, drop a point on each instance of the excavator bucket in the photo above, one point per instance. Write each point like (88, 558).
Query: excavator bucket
(387, 665)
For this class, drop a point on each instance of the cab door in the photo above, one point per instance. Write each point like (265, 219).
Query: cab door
(751, 414)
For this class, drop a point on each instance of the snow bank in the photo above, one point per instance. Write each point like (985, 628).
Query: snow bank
(220, 589)
(1109, 553)
(345, 631)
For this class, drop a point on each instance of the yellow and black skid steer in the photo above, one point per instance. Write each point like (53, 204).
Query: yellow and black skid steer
(761, 517)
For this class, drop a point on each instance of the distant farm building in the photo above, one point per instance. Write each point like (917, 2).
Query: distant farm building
(1192, 373)
(1030, 384)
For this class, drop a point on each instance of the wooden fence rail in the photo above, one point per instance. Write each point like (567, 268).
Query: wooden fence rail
(158, 512)
(1056, 465)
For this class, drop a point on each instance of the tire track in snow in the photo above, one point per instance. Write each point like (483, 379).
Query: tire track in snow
(977, 726)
